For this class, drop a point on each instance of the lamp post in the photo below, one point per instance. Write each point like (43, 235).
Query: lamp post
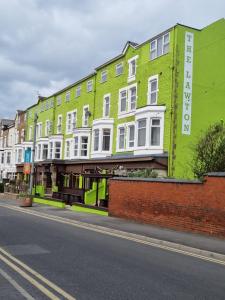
(33, 155)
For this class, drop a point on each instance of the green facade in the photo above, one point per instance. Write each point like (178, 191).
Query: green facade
(208, 104)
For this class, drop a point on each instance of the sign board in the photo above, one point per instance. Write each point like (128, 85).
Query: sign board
(27, 155)
(187, 88)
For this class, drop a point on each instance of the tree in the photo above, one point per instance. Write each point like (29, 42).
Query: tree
(209, 152)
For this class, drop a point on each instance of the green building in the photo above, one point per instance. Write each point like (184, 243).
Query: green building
(145, 108)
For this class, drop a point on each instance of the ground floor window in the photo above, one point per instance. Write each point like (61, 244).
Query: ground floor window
(155, 132)
(106, 139)
(84, 145)
(45, 151)
(57, 150)
(141, 132)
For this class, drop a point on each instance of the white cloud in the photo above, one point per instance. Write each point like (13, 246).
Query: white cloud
(45, 45)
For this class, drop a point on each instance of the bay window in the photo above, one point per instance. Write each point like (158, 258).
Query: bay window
(141, 132)
(57, 150)
(75, 149)
(131, 130)
(155, 132)
(96, 139)
(45, 151)
(84, 145)
(121, 138)
(105, 139)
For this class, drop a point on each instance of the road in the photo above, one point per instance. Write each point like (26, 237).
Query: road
(44, 258)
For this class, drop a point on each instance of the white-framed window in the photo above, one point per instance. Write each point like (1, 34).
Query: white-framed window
(104, 76)
(106, 139)
(159, 46)
(75, 147)
(132, 96)
(123, 101)
(127, 99)
(89, 86)
(45, 151)
(132, 68)
(8, 158)
(74, 119)
(155, 124)
(20, 155)
(78, 91)
(85, 115)
(141, 133)
(57, 150)
(39, 130)
(106, 105)
(153, 90)
(121, 137)
(51, 150)
(69, 123)
(119, 69)
(84, 146)
(131, 136)
(59, 100)
(96, 139)
(47, 127)
(67, 148)
(59, 124)
(39, 152)
(67, 96)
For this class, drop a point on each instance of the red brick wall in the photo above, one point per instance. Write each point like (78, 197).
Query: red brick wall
(188, 206)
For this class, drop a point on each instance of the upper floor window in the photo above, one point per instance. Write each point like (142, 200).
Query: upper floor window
(105, 139)
(71, 121)
(47, 128)
(131, 132)
(127, 99)
(84, 146)
(46, 105)
(39, 130)
(78, 91)
(30, 133)
(153, 90)
(85, 115)
(8, 158)
(89, 85)
(96, 139)
(121, 137)
(57, 150)
(75, 149)
(104, 76)
(141, 132)
(155, 132)
(67, 152)
(45, 151)
(106, 105)
(132, 63)
(119, 69)
(67, 96)
(59, 100)
(59, 124)
(159, 46)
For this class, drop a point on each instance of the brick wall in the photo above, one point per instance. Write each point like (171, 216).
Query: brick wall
(183, 205)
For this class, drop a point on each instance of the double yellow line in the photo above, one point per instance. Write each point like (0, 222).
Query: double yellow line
(34, 277)
(168, 246)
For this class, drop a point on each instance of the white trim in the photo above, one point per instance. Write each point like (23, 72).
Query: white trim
(58, 124)
(154, 77)
(104, 97)
(79, 133)
(83, 116)
(71, 113)
(128, 111)
(126, 136)
(131, 77)
(70, 140)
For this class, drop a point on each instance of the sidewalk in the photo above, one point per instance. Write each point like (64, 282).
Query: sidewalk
(198, 241)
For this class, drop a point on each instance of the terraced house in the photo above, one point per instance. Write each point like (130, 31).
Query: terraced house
(142, 109)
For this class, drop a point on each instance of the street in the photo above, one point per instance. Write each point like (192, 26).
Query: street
(47, 258)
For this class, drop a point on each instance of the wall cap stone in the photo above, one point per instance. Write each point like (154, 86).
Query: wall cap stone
(161, 180)
(216, 174)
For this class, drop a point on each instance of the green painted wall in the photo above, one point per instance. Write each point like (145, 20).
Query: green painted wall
(208, 94)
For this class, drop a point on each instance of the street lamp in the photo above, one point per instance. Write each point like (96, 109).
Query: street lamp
(33, 155)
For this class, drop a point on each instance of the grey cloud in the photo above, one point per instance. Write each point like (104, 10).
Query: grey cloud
(47, 44)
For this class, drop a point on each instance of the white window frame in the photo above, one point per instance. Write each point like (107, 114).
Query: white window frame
(67, 97)
(104, 73)
(70, 141)
(84, 117)
(126, 127)
(131, 76)
(104, 105)
(119, 127)
(47, 127)
(128, 111)
(160, 135)
(89, 85)
(71, 114)
(59, 124)
(59, 100)
(118, 67)
(155, 49)
(149, 94)
(78, 91)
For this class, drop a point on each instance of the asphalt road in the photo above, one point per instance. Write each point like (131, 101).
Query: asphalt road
(83, 264)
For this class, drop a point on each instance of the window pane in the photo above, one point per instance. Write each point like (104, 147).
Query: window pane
(84, 145)
(106, 140)
(133, 98)
(96, 139)
(159, 46)
(131, 136)
(106, 106)
(155, 136)
(76, 146)
(121, 138)
(123, 101)
(142, 132)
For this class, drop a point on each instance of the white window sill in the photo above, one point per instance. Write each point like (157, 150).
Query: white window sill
(131, 78)
(126, 114)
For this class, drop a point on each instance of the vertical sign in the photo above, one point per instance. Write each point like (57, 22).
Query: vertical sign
(187, 89)
(27, 160)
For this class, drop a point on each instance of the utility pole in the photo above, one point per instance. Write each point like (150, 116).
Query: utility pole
(33, 154)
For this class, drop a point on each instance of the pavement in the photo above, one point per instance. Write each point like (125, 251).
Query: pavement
(50, 253)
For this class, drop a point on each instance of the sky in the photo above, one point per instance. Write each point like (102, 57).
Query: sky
(46, 45)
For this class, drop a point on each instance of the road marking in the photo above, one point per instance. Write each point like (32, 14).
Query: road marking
(19, 288)
(36, 274)
(127, 236)
(34, 282)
